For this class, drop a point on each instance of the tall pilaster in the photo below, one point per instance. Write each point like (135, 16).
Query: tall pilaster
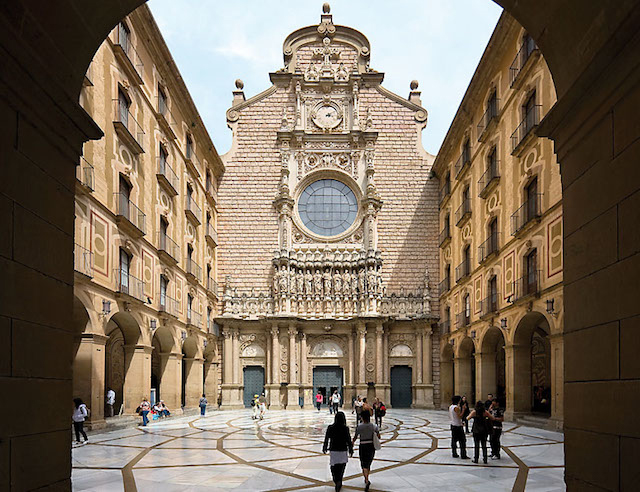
(137, 381)
(230, 389)
(171, 380)
(386, 368)
(273, 389)
(293, 389)
(88, 376)
(427, 366)
(306, 389)
(361, 386)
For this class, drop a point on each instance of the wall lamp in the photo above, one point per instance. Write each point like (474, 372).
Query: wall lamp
(153, 324)
(503, 323)
(106, 307)
(183, 335)
(550, 306)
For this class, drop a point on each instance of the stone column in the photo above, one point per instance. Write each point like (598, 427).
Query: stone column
(237, 371)
(419, 355)
(88, 376)
(350, 388)
(211, 382)
(386, 368)
(306, 389)
(425, 372)
(557, 379)
(462, 371)
(229, 386)
(137, 380)
(171, 381)
(380, 361)
(293, 389)
(486, 374)
(273, 389)
(361, 386)
(194, 386)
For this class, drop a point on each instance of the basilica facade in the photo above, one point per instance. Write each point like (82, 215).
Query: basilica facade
(328, 218)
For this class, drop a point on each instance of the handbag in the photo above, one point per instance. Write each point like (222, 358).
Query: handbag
(376, 442)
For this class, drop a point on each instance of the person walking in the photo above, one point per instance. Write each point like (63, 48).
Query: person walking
(379, 411)
(255, 407)
(111, 400)
(497, 415)
(203, 404)
(481, 423)
(336, 398)
(145, 407)
(358, 407)
(365, 431)
(457, 431)
(488, 401)
(366, 407)
(319, 399)
(262, 401)
(338, 441)
(80, 413)
(464, 404)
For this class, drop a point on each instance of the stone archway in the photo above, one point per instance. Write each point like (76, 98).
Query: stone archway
(465, 370)
(491, 367)
(447, 376)
(192, 372)
(163, 367)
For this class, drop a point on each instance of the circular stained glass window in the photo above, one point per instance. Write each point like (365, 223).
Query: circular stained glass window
(328, 207)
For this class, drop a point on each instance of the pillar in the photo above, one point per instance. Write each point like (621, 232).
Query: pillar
(350, 388)
(89, 376)
(420, 389)
(386, 369)
(486, 371)
(137, 380)
(462, 376)
(230, 389)
(557, 380)
(171, 380)
(306, 389)
(273, 389)
(293, 389)
(194, 386)
(361, 386)
(211, 381)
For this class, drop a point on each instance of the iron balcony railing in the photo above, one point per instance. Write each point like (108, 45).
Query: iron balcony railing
(167, 118)
(191, 207)
(128, 284)
(168, 305)
(444, 285)
(194, 319)
(525, 52)
(462, 163)
(463, 270)
(445, 191)
(168, 245)
(488, 247)
(463, 211)
(129, 127)
(526, 126)
(123, 40)
(193, 269)
(126, 209)
(86, 173)
(192, 159)
(445, 327)
(83, 260)
(445, 234)
(527, 285)
(212, 192)
(463, 319)
(489, 115)
(490, 176)
(212, 286)
(167, 173)
(530, 210)
(490, 304)
(212, 233)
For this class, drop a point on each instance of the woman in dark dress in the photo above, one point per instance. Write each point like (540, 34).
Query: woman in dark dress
(481, 427)
(365, 432)
(338, 441)
(464, 405)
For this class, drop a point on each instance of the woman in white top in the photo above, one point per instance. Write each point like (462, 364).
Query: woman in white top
(365, 431)
(80, 413)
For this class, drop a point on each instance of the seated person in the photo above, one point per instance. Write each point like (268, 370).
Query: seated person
(157, 409)
(165, 410)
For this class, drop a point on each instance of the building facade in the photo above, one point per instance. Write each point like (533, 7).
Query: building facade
(501, 263)
(328, 226)
(145, 230)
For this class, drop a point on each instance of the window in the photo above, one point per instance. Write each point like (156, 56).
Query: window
(447, 224)
(208, 221)
(467, 309)
(208, 182)
(163, 290)
(492, 106)
(209, 319)
(493, 236)
(530, 113)
(466, 203)
(189, 146)
(531, 192)
(328, 207)
(466, 254)
(162, 101)
(189, 306)
(123, 108)
(446, 325)
(466, 152)
(493, 294)
(528, 45)
(162, 158)
(531, 272)
(125, 263)
(164, 226)
(209, 276)
(189, 252)
(124, 197)
(123, 36)
(189, 196)
(492, 163)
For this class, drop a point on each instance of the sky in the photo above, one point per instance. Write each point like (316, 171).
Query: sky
(437, 42)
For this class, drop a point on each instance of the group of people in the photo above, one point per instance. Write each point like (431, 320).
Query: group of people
(487, 418)
(334, 401)
(157, 410)
(259, 406)
(360, 405)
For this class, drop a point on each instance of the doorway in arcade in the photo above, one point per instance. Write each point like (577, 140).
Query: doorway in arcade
(327, 380)
(253, 378)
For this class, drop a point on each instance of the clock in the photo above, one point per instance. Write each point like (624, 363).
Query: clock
(327, 116)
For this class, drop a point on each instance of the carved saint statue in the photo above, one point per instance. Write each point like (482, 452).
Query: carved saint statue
(371, 280)
(327, 282)
(284, 280)
(378, 280)
(292, 282)
(300, 282)
(346, 282)
(317, 282)
(361, 282)
(337, 283)
(308, 283)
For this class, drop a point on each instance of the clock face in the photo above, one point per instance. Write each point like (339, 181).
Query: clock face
(327, 117)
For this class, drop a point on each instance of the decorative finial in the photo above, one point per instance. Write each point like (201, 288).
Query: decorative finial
(326, 8)
(414, 85)
(239, 84)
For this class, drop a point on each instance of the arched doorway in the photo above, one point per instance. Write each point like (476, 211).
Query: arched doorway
(491, 365)
(532, 388)
(465, 370)
(211, 371)
(447, 376)
(162, 343)
(192, 376)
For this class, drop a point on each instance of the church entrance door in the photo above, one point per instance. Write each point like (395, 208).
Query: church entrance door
(253, 383)
(401, 387)
(327, 380)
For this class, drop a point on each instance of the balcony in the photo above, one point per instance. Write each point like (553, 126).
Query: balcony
(462, 319)
(167, 177)
(212, 194)
(169, 250)
(165, 118)
(488, 248)
(528, 51)
(127, 127)
(85, 174)
(524, 133)
(212, 286)
(194, 271)
(463, 270)
(444, 286)
(529, 212)
(528, 285)
(489, 120)
(127, 55)
(213, 328)
(488, 179)
(445, 327)
(194, 319)
(193, 211)
(463, 212)
(445, 236)
(129, 285)
(193, 163)
(463, 162)
(489, 304)
(83, 261)
(445, 191)
(129, 217)
(211, 235)
(168, 305)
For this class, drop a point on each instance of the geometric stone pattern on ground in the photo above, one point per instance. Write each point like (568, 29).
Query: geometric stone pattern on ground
(227, 450)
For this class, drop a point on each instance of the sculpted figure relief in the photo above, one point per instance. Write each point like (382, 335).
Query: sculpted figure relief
(317, 282)
(327, 282)
(371, 280)
(300, 282)
(337, 283)
(346, 282)
(284, 280)
(308, 283)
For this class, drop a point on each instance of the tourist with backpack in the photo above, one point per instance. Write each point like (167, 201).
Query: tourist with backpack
(379, 411)
(80, 414)
(203, 404)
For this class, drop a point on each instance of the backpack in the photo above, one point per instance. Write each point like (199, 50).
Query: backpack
(383, 410)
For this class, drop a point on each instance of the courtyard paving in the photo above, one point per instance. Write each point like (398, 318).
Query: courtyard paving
(227, 450)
